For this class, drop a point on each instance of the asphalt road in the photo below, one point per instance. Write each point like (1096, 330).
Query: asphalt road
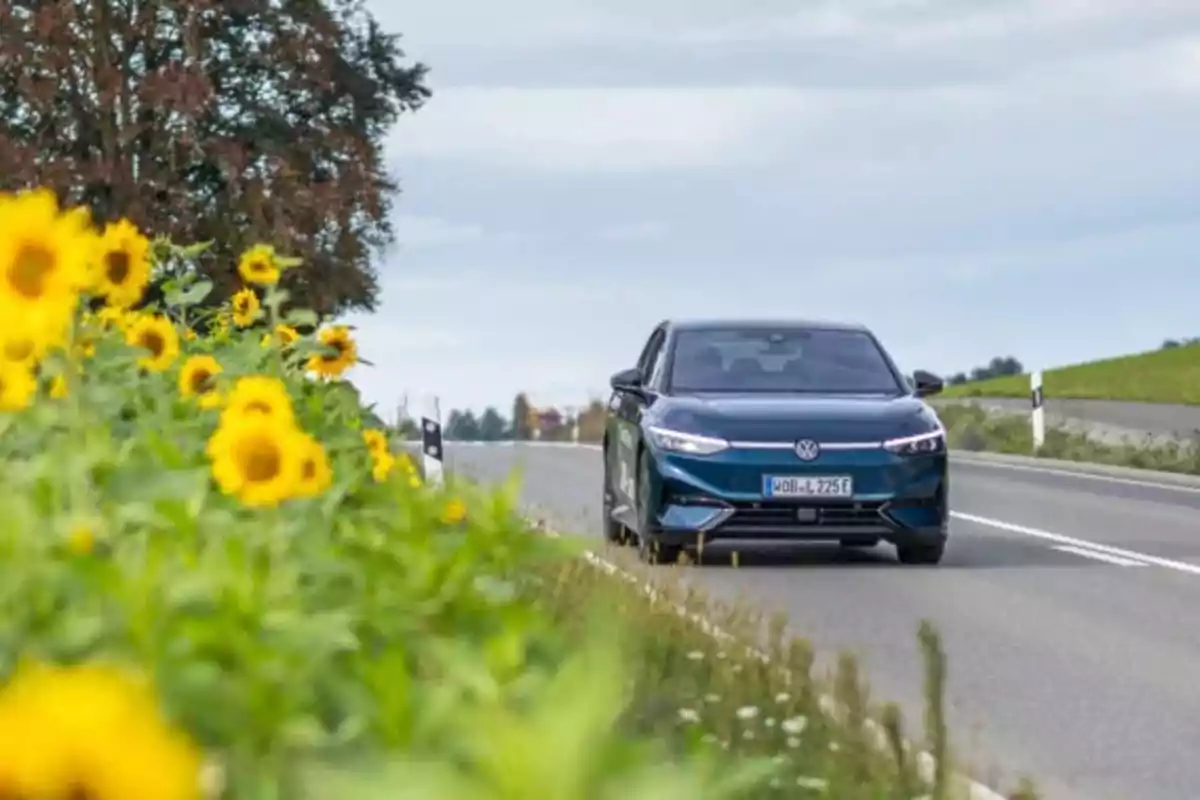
(1106, 420)
(1068, 605)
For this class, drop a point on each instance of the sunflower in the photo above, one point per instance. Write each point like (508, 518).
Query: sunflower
(343, 357)
(198, 376)
(376, 440)
(45, 257)
(122, 267)
(382, 464)
(283, 335)
(110, 317)
(246, 308)
(81, 539)
(315, 472)
(17, 386)
(454, 512)
(259, 395)
(259, 266)
(258, 459)
(21, 346)
(89, 731)
(157, 335)
(59, 387)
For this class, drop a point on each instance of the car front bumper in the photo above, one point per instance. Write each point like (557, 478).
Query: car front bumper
(896, 498)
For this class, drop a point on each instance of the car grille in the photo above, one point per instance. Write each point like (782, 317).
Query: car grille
(767, 515)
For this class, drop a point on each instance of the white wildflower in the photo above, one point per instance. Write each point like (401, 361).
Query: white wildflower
(812, 784)
(688, 715)
(747, 712)
(795, 725)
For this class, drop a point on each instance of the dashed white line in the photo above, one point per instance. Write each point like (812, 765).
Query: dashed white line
(1097, 556)
(1071, 541)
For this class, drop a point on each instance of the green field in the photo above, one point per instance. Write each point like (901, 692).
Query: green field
(1159, 376)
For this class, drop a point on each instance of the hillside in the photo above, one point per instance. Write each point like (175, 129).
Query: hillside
(1159, 376)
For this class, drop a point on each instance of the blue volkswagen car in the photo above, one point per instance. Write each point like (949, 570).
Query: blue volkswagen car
(773, 430)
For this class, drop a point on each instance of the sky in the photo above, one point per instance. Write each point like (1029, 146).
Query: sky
(968, 179)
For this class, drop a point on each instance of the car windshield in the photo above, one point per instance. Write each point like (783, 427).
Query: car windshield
(814, 360)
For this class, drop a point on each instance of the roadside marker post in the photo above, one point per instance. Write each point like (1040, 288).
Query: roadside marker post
(573, 415)
(432, 451)
(1039, 412)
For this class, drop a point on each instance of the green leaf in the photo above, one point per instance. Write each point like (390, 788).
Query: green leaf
(192, 295)
(192, 250)
(301, 316)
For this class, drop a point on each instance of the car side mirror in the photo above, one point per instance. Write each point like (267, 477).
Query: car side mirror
(627, 380)
(926, 383)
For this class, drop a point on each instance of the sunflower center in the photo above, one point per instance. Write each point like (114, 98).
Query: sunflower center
(339, 350)
(154, 342)
(18, 349)
(116, 266)
(259, 458)
(202, 381)
(29, 270)
(76, 791)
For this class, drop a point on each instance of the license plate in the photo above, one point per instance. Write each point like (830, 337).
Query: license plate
(808, 486)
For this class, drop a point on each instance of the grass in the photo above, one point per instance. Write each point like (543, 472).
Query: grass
(969, 427)
(757, 698)
(1159, 376)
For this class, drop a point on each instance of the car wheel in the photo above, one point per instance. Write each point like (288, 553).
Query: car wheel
(650, 550)
(922, 553)
(614, 532)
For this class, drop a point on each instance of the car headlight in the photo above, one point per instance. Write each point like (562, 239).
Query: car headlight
(680, 442)
(921, 444)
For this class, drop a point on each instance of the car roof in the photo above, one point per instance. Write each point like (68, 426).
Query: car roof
(713, 323)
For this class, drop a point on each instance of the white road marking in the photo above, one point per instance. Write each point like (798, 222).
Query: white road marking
(1095, 476)
(1117, 560)
(1071, 541)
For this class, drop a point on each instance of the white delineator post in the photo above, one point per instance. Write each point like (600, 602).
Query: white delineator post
(432, 450)
(573, 413)
(1039, 412)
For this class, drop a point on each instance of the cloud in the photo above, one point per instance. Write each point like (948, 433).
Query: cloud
(593, 129)
(416, 231)
(633, 232)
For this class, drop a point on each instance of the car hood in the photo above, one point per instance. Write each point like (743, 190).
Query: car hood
(787, 417)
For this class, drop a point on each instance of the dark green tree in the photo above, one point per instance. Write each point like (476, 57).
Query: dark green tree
(462, 426)
(231, 121)
(520, 417)
(492, 426)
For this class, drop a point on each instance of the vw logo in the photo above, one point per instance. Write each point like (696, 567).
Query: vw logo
(807, 449)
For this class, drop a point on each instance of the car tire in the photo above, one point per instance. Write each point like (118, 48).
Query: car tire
(923, 553)
(650, 549)
(614, 531)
